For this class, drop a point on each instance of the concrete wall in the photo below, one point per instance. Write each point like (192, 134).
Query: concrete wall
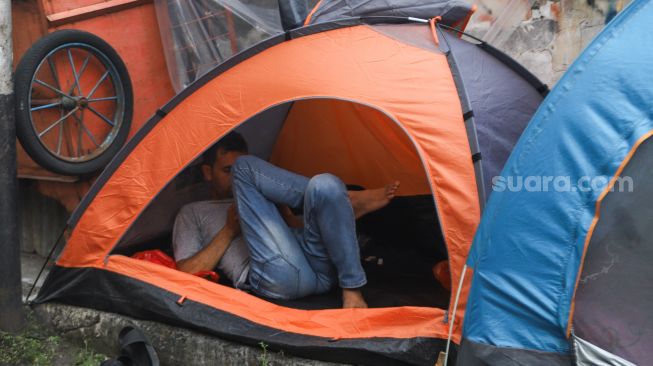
(549, 36)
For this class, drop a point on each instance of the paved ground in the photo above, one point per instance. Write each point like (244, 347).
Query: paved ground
(39, 345)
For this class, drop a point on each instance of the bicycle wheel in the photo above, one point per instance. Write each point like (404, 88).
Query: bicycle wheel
(74, 102)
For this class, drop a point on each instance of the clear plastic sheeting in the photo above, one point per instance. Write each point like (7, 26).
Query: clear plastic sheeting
(199, 34)
(496, 20)
(452, 12)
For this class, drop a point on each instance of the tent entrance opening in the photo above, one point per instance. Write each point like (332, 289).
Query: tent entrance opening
(400, 243)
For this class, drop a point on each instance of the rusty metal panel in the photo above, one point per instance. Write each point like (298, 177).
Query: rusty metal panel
(41, 219)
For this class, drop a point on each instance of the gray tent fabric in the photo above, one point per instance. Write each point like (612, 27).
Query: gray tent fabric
(614, 297)
(451, 11)
(501, 100)
(478, 354)
(414, 34)
(588, 354)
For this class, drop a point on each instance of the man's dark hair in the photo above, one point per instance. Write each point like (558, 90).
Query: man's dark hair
(233, 141)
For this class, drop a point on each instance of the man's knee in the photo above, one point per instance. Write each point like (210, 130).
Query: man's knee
(243, 165)
(325, 186)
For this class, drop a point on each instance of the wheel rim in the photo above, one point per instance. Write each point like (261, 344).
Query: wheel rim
(76, 102)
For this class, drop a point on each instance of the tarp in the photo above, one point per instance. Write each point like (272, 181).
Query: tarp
(529, 247)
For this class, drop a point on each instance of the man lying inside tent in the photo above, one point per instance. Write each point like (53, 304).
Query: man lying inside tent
(278, 256)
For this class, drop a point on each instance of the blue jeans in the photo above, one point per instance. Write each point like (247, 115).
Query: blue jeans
(288, 263)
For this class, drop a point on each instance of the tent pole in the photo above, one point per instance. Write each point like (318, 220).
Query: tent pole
(452, 318)
(12, 315)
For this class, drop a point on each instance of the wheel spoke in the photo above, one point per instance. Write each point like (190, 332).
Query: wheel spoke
(44, 106)
(110, 122)
(102, 99)
(72, 66)
(68, 138)
(58, 122)
(52, 88)
(104, 76)
(60, 139)
(38, 102)
(88, 133)
(81, 71)
(54, 72)
(79, 134)
(62, 129)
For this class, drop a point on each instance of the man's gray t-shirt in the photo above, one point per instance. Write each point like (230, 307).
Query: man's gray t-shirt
(196, 225)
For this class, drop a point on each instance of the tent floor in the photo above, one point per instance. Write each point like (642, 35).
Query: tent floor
(381, 291)
(390, 287)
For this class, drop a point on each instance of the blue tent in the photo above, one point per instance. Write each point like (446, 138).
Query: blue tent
(563, 258)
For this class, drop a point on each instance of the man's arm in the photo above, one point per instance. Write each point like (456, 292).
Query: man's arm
(207, 258)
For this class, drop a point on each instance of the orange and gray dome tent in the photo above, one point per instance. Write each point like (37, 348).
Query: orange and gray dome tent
(369, 98)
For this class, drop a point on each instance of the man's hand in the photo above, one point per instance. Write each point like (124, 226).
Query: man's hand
(232, 226)
(209, 257)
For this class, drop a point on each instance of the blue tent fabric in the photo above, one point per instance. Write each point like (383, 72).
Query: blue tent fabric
(528, 248)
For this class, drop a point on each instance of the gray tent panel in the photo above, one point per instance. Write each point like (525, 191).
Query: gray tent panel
(451, 11)
(478, 354)
(614, 298)
(588, 354)
(415, 34)
(502, 102)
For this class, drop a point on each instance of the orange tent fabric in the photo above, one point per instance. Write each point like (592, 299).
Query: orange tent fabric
(356, 64)
(357, 143)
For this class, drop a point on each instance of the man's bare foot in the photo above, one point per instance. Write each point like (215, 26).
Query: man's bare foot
(352, 299)
(364, 202)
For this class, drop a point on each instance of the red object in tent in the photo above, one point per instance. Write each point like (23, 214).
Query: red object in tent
(156, 256)
(208, 275)
(442, 274)
(159, 257)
